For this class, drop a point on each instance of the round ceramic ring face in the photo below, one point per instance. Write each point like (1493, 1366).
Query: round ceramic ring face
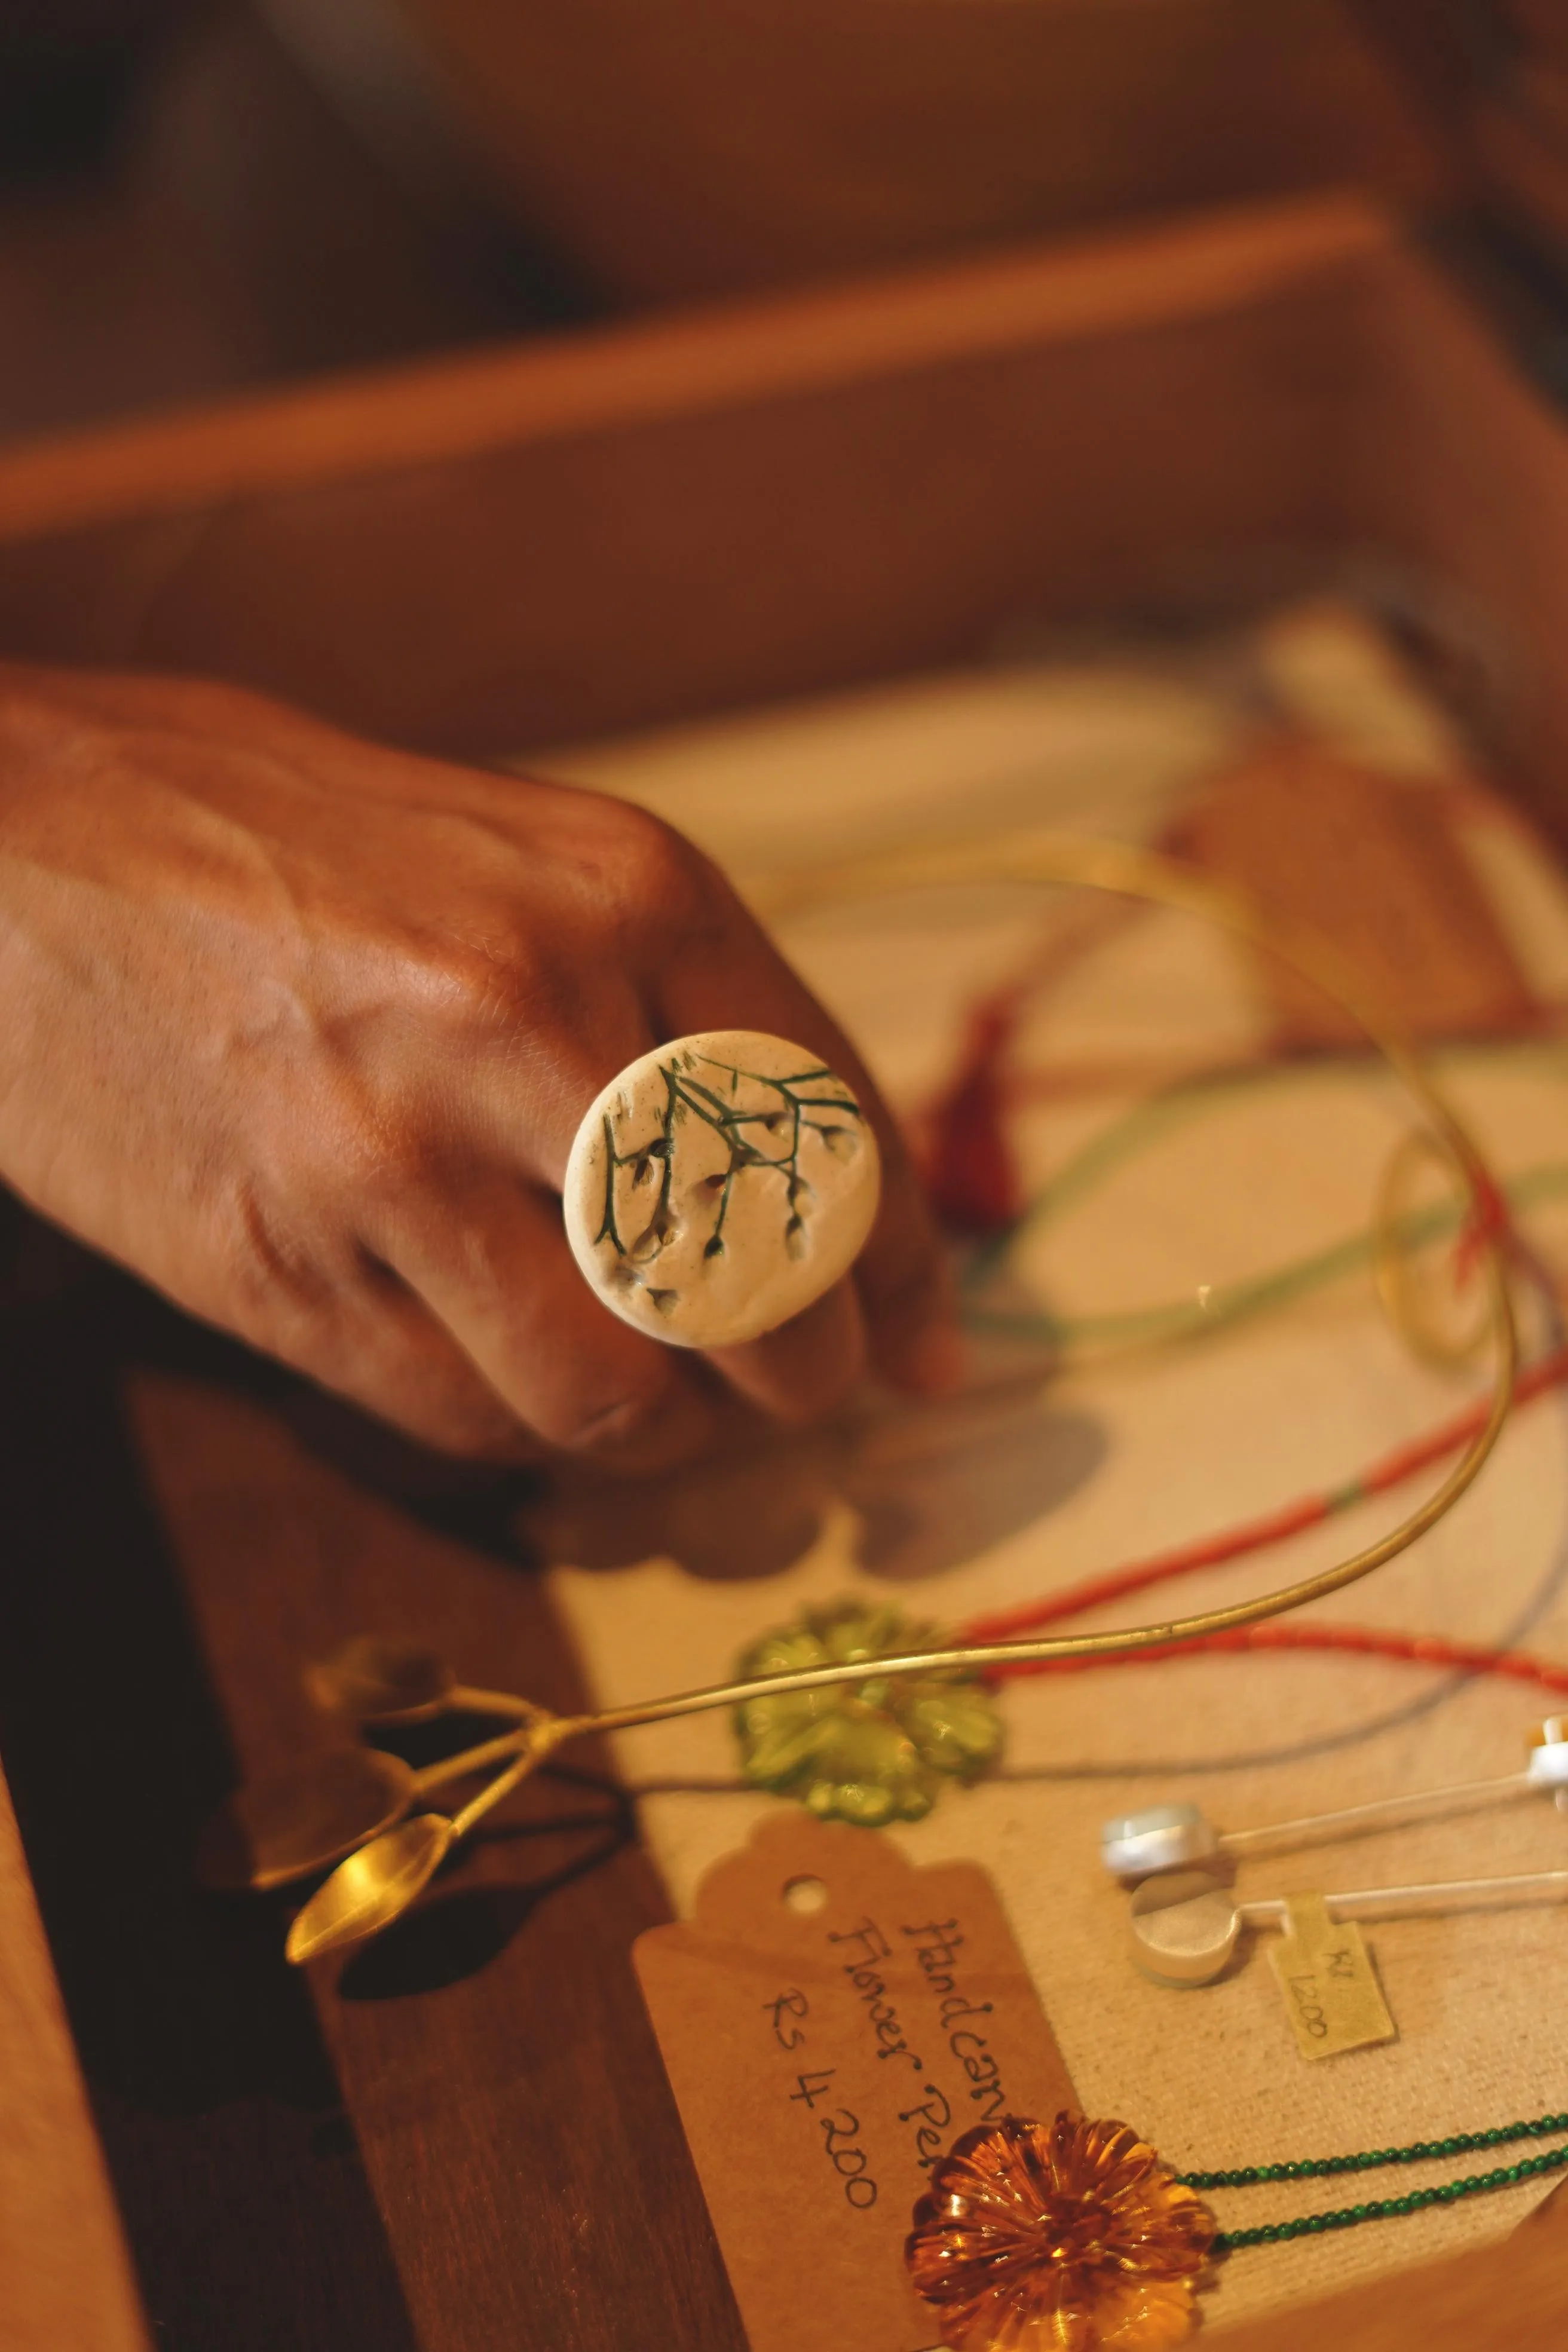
(717, 1186)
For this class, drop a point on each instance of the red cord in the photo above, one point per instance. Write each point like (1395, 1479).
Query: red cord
(970, 1170)
(1549, 1371)
(1417, 1649)
(972, 1177)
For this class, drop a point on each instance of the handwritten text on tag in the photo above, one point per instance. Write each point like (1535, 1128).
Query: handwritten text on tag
(831, 2020)
(1330, 1987)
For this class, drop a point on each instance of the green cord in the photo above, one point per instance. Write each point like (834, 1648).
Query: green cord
(1258, 1294)
(1254, 1294)
(1193, 1098)
(1381, 2209)
(1227, 1304)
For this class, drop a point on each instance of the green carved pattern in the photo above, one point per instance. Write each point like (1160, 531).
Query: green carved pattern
(687, 1097)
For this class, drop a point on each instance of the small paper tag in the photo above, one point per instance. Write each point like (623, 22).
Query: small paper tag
(1330, 1985)
(1373, 865)
(831, 2020)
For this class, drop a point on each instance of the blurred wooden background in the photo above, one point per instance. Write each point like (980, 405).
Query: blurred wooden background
(202, 195)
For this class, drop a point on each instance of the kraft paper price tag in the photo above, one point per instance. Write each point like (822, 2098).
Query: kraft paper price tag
(831, 2020)
(1371, 864)
(1330, 1985)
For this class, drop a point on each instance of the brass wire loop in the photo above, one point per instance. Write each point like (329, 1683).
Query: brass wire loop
(1056, 858)
(379, 1881)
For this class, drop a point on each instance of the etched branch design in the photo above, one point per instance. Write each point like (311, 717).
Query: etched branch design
(745, 1134)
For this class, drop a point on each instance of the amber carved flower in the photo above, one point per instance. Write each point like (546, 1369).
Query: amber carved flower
(870, 1751)
(1058, 2238)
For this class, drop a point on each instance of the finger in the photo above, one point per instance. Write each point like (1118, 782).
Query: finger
(381, 1349)
(493, 1267)
(808, 1365)
(740, 981)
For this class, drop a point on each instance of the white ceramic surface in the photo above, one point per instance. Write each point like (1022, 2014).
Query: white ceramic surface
(719, 1185)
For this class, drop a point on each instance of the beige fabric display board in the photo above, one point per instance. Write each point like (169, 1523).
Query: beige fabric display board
(1032, 1479)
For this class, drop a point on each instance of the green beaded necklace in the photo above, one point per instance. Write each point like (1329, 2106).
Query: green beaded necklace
(1381, 2208)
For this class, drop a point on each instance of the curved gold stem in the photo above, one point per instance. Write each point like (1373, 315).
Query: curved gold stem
(1139, 873)
(1044, 857)
(546, 1733)
(473, 1760)
(1105, 865)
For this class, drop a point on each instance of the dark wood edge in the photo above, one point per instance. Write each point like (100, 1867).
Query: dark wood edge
(496, 400)
(354, 426)
(66, 2284)
(1515, 2293)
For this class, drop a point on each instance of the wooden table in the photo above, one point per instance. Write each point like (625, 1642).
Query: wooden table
(463, 2137)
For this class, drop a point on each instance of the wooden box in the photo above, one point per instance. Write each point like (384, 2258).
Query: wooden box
(625, 527)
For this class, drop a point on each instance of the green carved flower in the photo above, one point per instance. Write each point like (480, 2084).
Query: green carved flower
(871, 1751)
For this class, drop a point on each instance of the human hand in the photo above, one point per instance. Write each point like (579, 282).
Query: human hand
(301, 1030)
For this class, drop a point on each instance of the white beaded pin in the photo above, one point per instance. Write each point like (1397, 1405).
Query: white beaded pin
(1140, 1845)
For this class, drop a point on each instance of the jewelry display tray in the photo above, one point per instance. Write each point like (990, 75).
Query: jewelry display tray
(618, 529)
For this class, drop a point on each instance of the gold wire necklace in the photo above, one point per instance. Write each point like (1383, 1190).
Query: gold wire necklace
(377, 1882)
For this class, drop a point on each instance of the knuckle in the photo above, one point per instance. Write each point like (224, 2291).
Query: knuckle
(624, 885)
(398, 1170)
(355, 1136)
(652, 876)
(484, 984)
(625, 1424)
(406, 1161)
(460, 1418)
(385, 1370)
(274, 1279)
